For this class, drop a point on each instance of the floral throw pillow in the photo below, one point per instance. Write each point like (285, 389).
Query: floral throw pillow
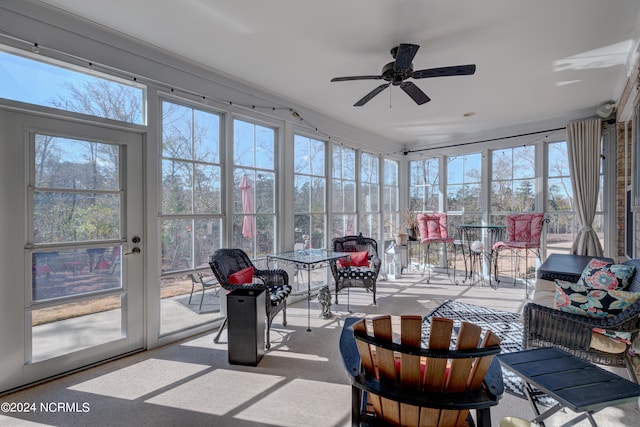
(577, 299)
(607, 276)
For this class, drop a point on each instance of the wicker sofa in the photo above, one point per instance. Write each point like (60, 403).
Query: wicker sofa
(545, 325)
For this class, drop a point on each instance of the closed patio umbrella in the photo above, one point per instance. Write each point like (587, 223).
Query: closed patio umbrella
(249, 223)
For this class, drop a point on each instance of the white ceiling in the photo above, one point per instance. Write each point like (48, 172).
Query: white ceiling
(539, 63)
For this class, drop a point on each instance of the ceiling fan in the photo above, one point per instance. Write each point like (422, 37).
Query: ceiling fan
(401, 69)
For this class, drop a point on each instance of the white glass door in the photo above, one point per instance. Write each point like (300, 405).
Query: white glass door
(83, 243)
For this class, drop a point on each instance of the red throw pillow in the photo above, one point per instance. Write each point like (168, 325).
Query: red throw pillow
(241, 277)
(344, 262)
(360, 259)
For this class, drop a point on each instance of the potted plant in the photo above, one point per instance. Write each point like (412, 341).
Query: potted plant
(399, 232)
(412, 225)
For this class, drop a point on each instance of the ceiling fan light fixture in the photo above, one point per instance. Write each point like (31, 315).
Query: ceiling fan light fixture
(397, 72)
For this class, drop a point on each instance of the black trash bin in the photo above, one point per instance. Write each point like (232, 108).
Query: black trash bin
(246, 326)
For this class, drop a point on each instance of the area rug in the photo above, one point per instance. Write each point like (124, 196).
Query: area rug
(506, 325)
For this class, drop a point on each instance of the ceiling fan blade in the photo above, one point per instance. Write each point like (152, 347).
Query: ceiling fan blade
(404, 56)
(415, 93)
(344, 79)
(371, 94)
(457, 70)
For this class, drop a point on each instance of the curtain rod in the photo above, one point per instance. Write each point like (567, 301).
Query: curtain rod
(405, 152)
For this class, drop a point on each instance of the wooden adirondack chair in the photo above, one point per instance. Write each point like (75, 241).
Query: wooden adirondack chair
(402, 384)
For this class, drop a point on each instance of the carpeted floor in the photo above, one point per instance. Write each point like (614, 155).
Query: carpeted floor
(504, 324)
(300, 381)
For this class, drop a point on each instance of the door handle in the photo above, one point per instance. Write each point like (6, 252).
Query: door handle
(134, 251)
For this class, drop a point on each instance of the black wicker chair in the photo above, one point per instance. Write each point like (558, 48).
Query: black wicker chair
(356, 277)
(549, 327)
(225, 262)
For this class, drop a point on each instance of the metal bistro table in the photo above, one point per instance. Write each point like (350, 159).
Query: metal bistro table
(471, 233)
(308, 259)
(573, 382)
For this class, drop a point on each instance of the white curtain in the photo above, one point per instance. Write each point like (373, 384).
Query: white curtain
(583, 147)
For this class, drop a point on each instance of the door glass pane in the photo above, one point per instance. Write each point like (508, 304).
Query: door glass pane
(63, 329)
(73, 272)
(76, 195)
(74, 217)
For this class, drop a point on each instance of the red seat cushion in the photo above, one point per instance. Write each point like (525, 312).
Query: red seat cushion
(241, 277)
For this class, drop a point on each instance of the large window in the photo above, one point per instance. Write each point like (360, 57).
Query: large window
(254, 188)
(369, 206)
(464, 190)
(309, 198)
(513, 182)
(390, 198)
(191, 187)
(562, 227)
(424, 185)
(51, 85)
(343, 191)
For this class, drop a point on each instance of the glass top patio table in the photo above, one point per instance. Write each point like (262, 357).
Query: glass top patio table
(474, 232)
(308, 259)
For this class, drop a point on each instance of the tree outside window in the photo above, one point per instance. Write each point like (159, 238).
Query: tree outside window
(464, 190)
(191, 210)
(513, 182)
(390, 198)
(343, 191)
(309, 201)
(369, 202)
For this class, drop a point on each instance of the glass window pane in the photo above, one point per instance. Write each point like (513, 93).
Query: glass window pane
(558, 162)
(70, 334)
(177, 194)
(302, 193)
(343, 225)
(455, 170)
(176, 239)
(318, 195)
(177, 131)
(455, 197)
(316, 158)
(207, 192)
(424, 186)
(74, 217)
(265, 193)
(206, 141)
(74, 164)
(560, 195)
(207, 238)
(302, 225)
(302, 160)
(37, 82)
(472, 168)
(502, 165)
(560, 231)
(265, 148)
(524, 159)
(471, 198)
(75, 272)
(525, 196)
